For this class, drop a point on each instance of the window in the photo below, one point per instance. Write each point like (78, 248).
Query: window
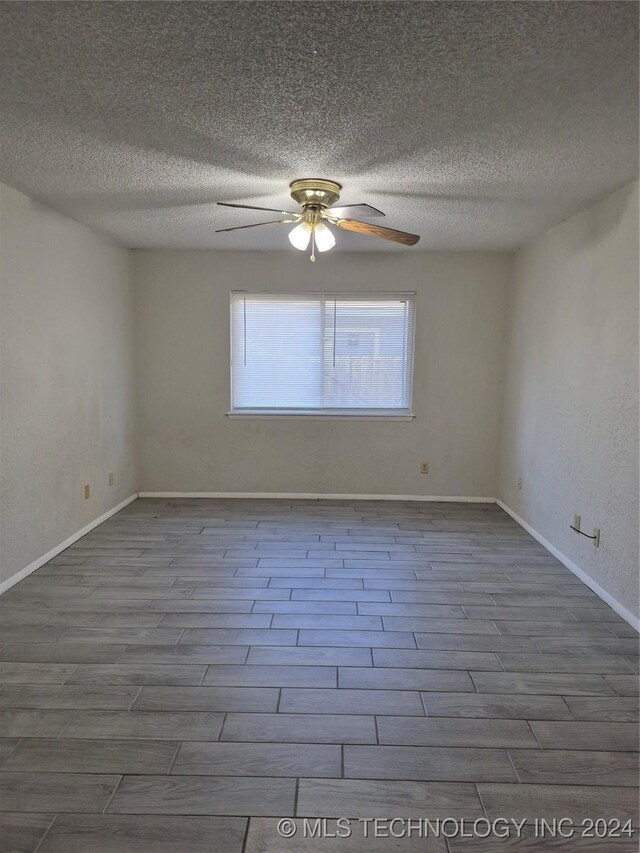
(321, 353)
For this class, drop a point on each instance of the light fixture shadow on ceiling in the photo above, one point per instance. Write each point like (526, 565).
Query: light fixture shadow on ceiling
(156, 200)
(445, 197)
(188, 148)
(494, 200)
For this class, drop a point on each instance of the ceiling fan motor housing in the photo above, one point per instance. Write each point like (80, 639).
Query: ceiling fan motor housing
(315, 191)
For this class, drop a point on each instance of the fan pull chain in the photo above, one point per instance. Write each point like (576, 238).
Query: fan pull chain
(312, 257)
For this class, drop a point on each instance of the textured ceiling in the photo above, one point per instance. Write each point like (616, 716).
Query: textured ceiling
(473, 124)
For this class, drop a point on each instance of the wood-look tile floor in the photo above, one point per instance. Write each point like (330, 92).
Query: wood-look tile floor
(192, 670)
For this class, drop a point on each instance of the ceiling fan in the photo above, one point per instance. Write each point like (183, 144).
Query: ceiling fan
(315, 197)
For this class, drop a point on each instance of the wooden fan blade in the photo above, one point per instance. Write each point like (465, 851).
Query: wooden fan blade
(255, 225)
(378, 231)
(354, 210)
(252, 207)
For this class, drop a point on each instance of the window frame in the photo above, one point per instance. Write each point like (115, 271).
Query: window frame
(359, 414)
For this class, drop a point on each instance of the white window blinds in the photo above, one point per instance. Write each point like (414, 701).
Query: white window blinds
(321, 352)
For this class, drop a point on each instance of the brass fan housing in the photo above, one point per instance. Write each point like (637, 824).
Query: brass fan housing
(315, 191)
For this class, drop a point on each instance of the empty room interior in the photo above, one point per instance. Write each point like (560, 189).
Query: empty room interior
(319, 427)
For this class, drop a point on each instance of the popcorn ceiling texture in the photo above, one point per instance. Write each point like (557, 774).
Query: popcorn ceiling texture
(476, 125)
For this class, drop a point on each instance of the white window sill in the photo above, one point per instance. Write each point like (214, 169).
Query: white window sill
(331, 415)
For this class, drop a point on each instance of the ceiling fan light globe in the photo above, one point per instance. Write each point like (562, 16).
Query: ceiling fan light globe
(300, 235)
(324, 238)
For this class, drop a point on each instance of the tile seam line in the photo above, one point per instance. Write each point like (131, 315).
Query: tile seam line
(46, 832)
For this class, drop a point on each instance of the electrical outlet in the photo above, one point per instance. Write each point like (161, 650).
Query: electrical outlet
(519, 484)
(111, 478)
(596, 537)
(576, 522)
(87, 491)
(424, 467)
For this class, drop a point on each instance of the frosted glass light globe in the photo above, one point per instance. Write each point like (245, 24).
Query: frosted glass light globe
(324, 238)
(300, 235)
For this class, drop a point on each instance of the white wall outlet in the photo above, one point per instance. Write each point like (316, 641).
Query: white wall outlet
(596, 537)
(424, 467)
(576, 522)
(519, 484)
(87, 491)
(111, 478)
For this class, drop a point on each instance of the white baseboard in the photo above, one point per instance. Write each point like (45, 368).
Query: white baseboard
(320, 497)
(627, 615)
(23, 573)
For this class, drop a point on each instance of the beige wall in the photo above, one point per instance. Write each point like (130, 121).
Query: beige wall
(188, 445)
(67, 379)
(570, 426)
